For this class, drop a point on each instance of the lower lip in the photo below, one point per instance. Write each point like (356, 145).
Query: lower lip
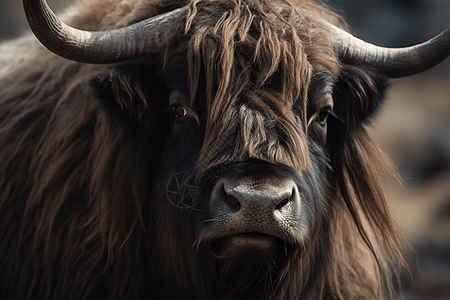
(251, 240)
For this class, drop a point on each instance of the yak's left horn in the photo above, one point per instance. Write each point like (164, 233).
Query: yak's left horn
(392, 62)
(144, 38)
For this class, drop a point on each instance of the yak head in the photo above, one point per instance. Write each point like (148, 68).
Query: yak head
(256, 112)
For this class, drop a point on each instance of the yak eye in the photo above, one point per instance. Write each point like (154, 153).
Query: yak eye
(180, 111)
(323, 116)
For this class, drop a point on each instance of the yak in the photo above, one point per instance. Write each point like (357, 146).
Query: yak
(202, 149)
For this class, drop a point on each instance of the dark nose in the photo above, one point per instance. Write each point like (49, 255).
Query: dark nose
(256, 206)
(265, 198)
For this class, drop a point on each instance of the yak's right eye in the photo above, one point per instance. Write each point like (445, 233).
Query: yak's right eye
(180, 111)
(322, 116)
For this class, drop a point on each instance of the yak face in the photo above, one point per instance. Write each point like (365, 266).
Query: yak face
(254, 202)
(243, 154)
(253, 205)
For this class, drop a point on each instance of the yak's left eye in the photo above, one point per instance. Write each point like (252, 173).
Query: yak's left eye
(323, 116)
(180, 111)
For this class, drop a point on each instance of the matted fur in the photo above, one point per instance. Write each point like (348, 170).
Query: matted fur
(76, 187)
(263, 34)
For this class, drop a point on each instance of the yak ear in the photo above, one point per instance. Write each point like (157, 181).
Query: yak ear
(132, 92)
(358, 96)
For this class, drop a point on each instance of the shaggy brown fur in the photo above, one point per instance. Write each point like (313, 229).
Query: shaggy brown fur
(76, 186)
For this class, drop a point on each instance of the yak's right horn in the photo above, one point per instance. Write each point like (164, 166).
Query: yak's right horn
(144, 38)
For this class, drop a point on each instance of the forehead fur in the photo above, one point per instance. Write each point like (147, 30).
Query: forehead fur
(258, 57)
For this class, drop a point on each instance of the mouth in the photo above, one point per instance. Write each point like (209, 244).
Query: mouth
(249, 244)
(250, 240)
(255, 248)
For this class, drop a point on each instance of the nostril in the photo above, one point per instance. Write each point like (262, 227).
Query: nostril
(260, 198)
(233, 203)
(283, 203)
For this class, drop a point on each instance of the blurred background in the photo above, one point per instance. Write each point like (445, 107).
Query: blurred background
(413, 128)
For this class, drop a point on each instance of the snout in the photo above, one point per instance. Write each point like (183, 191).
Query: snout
(253, 212)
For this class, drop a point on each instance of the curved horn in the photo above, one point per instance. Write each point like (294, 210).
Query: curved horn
(392, 62)
(146, 37)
